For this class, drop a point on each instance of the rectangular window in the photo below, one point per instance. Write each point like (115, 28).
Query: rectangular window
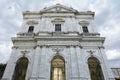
(85, 29)
(31, 29)
(57, 27)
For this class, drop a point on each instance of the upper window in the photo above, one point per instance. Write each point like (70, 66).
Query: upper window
(31, 29)
(85, 29)
(57, 27)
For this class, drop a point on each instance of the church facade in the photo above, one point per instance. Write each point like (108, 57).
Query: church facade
(58, 43)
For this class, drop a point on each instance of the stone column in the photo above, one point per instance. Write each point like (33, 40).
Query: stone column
(35, 73)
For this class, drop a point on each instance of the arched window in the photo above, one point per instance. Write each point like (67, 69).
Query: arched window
(95, 69)
(20, 69)
(58, 68)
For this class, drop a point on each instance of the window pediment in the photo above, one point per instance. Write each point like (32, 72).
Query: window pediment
(56, 20)
(84, 23)
(32, 22)
(58, 8)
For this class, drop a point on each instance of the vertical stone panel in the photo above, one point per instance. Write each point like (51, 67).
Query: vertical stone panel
(68, 63)
(36, 62)
(42, 66)
(105, 66)
(74, 68)
(79, 60)
(8, 73)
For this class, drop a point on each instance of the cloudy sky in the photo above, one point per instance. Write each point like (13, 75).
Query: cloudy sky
(107, 22)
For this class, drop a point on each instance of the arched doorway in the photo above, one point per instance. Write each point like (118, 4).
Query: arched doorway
(20, 69)
(58, 68)
(95, 69)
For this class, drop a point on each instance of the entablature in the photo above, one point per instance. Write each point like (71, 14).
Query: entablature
(82, 40)
(59, 34)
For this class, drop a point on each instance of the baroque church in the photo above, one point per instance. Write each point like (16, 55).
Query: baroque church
(58, 43)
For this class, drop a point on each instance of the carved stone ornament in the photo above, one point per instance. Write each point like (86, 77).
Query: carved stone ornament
(58, 9)
(91, 53)
(25, 52)
(84, 23)
(32, 22)
(57, 50)
(57, 20)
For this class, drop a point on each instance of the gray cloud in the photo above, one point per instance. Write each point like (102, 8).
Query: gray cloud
(114, 63)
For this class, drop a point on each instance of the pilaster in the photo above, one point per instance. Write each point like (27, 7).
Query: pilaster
(79, 57)
(108, 74)
(36, 62)
(9, 71)
(42, 64)
(74, 67)
(68, 63)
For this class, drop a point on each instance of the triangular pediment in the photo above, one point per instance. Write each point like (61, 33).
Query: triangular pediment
(58, 8)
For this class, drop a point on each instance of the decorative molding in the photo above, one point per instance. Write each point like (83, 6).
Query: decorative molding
(59, 43)
(32, 22)
(58, 8)
(25, 52)
(84, 23)
(15, 47)
(57, 50)
(91, 53)
(58, 20)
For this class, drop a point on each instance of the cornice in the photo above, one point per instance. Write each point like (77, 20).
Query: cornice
(96, 39)
(60, 38)
(40, 13)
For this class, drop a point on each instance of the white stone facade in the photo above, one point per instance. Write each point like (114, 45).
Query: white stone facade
(71, 43)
